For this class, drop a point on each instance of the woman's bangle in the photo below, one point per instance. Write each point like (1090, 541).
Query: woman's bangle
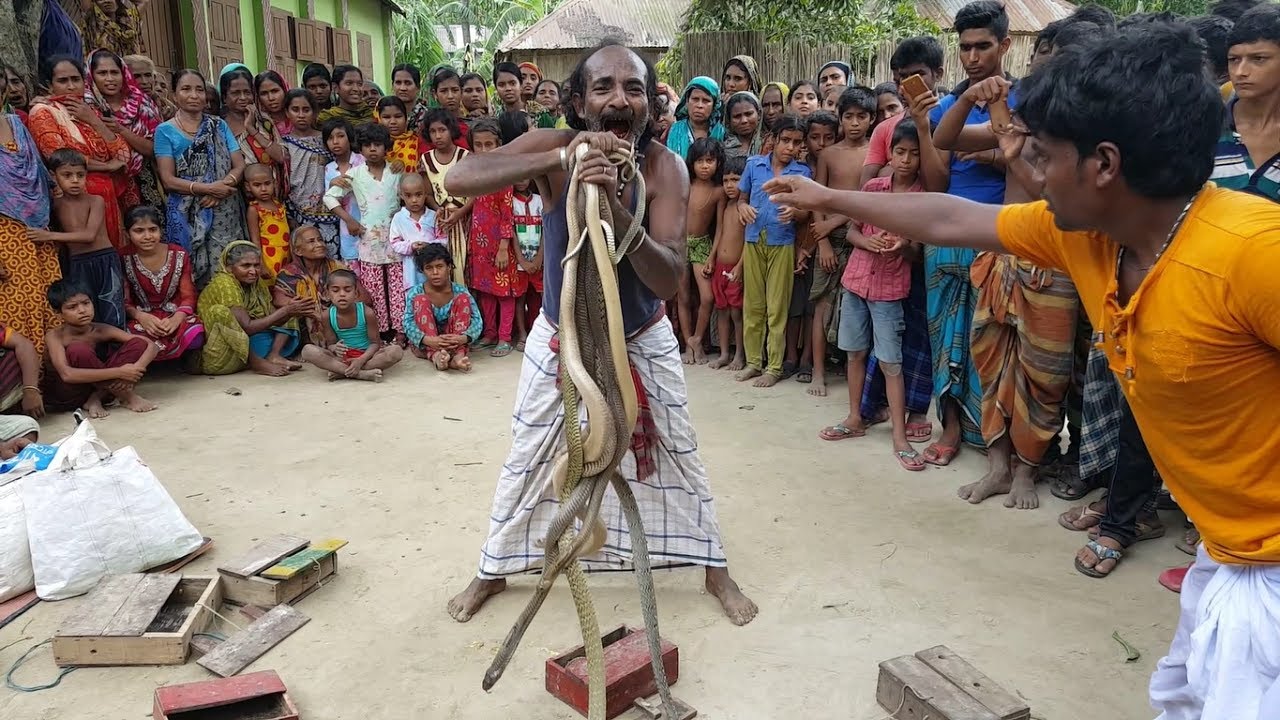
(564, 158)
(192, 189)
(30, 387)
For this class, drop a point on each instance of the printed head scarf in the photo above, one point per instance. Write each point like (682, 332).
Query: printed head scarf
(534, 68)
(748, 65)
(781, 87)
(138, 111)
(844, 67)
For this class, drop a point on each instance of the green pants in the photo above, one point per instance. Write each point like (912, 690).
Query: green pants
(767, 274)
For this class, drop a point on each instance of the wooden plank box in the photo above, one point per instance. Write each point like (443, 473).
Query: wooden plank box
(628, 671)
(256, 696)
(267, 593)
(166, 639)
(940, 685)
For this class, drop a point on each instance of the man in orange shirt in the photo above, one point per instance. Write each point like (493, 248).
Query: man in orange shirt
(1178, 278)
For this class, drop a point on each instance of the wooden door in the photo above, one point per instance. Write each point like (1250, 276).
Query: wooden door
(284, 58)
(364, 54)
(224, 33)
(340, 46)
(160, 35)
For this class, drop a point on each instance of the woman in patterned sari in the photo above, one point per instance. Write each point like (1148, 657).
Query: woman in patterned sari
(200, 165)
(159, 294)
(26, 267)
(113, 24)
(65, 120)
(132, 115)
(242, 328)
(257, 136)
(308, 158)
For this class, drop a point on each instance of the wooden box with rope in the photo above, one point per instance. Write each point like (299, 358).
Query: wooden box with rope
(938, 684)
(288, 579)
(137, 619)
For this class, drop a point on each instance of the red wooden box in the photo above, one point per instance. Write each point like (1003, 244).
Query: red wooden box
(628, 672)
(260, 696)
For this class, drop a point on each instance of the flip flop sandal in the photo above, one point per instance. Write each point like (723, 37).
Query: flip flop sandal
(840, 431)
(1190, 539)
(484, 344)
(1103, 553)
(1071, 518)
(1146, 530)
(945, 454)
(905, 455)
(788, 369)
(804, 374)
(1172, 578)
(502, 349)
(520, 346)
(1068, 485)
(919, 432)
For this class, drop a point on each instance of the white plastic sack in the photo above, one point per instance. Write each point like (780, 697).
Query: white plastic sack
(94, 513)
(16, 575)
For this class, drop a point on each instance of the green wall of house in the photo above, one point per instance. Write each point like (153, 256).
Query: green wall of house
(366, 16)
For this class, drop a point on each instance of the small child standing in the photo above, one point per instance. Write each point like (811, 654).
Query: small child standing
(839, 168)
(83, 378)
(821, 130)
(93, 262)
(769, 258)
(441, 319)
(413, 226)
(376, 190)
(705, 163)
(443, 133)
(338, 136)
(876, 281)
(526, 210)
(352, 348)
(268, 224)
(492, 268)
(726, 273)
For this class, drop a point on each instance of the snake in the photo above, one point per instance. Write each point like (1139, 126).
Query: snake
(594, 372)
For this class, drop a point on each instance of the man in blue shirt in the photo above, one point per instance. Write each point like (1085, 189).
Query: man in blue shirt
(769, 257)
(983, 27)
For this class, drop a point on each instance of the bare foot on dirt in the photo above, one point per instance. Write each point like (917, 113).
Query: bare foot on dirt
(284, 362)
(740, 609)
(370, 375)
(687, 355)
(766, 380)
(93, 407)
(818, 388)
(746, 374)
(137, 403)
(468, 602)
(699, 356)
(461, 363)
(719, 362)
(266, 367)
(739, 362)
(996, 482)
(441, 360)
(1022, 491)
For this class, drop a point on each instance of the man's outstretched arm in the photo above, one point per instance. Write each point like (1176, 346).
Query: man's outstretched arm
(931, 218)
(534, 154)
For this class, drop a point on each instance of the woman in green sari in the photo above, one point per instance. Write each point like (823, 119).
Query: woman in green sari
(242, 327)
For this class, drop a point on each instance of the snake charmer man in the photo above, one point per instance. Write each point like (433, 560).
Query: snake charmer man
(609, 108)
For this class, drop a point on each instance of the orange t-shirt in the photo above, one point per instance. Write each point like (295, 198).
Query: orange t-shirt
(1196, 355)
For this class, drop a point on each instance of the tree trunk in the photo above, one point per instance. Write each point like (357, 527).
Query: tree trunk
(20, 30)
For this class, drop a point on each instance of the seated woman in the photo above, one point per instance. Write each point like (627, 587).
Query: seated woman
(242, 328)
(159, 294)
(441, 318)
(19, 392)
(306, 276)
(351, 346)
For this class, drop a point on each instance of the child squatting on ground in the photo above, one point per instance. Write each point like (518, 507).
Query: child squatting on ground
(441, 318)
(352, 348)
(76, 350)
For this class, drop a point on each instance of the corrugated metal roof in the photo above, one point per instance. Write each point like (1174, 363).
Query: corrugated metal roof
(1025, 16)
(583, 23)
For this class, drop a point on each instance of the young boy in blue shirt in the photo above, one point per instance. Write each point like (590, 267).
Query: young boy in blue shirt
(769, 259)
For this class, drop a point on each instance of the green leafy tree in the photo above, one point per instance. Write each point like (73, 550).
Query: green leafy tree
(487, 23)
(1178, 7)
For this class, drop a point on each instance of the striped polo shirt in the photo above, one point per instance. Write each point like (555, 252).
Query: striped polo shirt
(1234, 169)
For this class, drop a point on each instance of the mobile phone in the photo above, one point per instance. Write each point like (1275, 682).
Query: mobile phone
(913, 87)
(1001, 118)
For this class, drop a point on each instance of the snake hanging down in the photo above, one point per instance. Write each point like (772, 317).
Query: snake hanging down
(594, 371)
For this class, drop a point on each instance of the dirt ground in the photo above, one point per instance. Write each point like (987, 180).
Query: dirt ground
(851, 559)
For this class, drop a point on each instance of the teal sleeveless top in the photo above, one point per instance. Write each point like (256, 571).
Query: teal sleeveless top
(356, 338)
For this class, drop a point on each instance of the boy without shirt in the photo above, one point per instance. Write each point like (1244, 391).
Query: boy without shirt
(839, 168)
(821, 131)
(726, 273)
(83, 378)
(93, 262)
